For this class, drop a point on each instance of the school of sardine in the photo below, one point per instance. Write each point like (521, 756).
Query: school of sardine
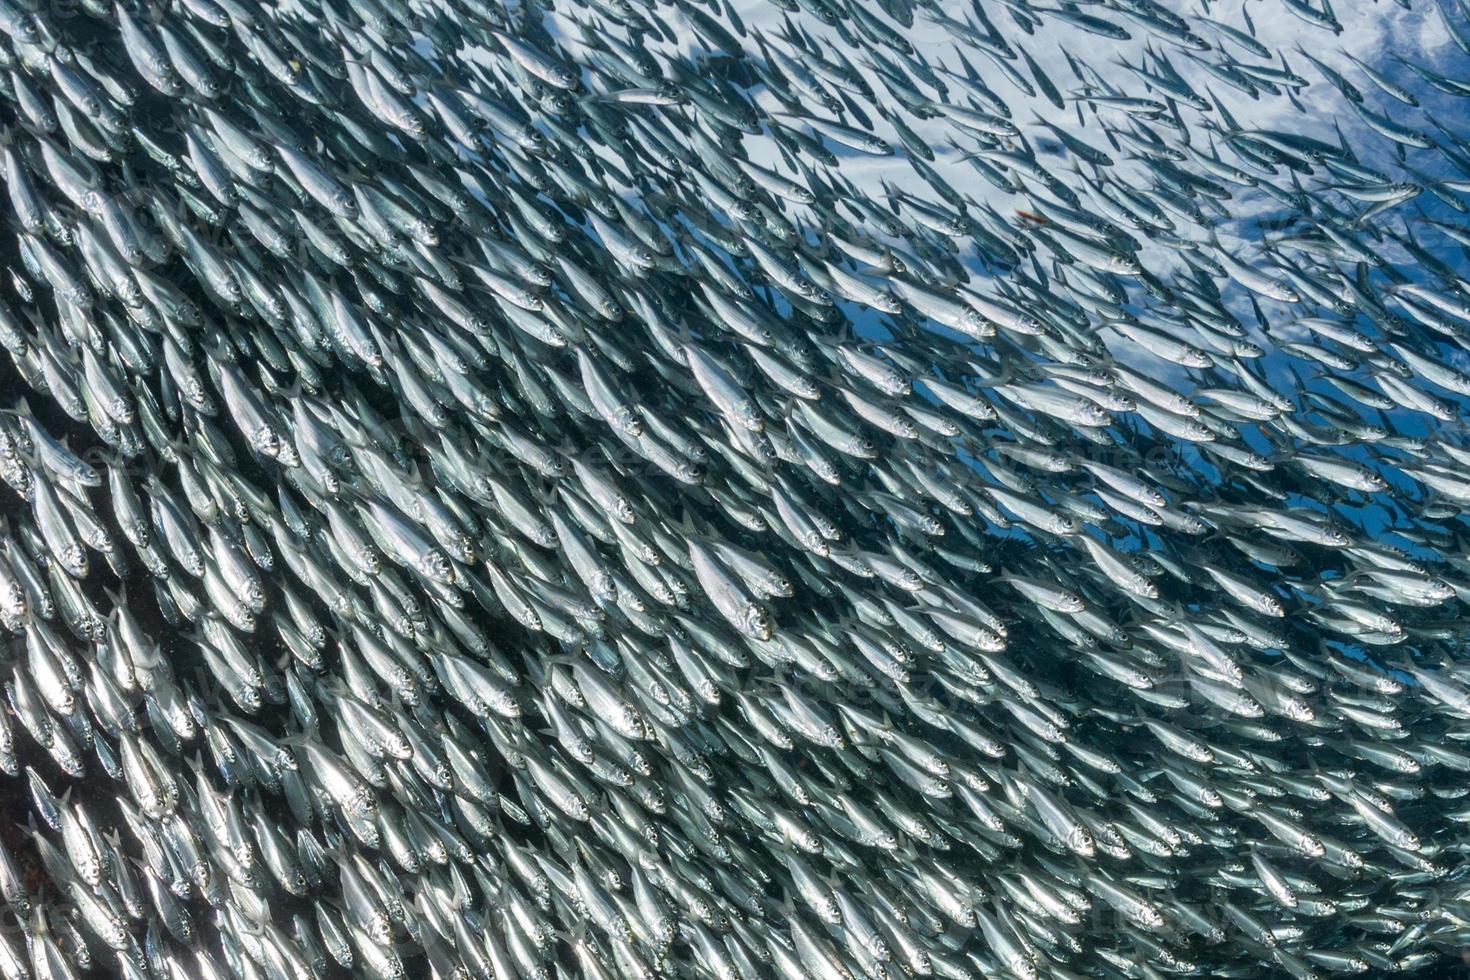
(498, 489)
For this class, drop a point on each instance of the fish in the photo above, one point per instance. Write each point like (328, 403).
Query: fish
(493, 487)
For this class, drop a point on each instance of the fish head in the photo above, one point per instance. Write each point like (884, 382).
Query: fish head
(1124, 265)
(1063, 525)
(266, 441)
(287, 456)
(779, 585)
(1193, 525)
(972, 321)
(74, 560)
(1311, 846)
(1023, 967)
(756, 623)
(687, 471)
(807, 388)
(1298, 710)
